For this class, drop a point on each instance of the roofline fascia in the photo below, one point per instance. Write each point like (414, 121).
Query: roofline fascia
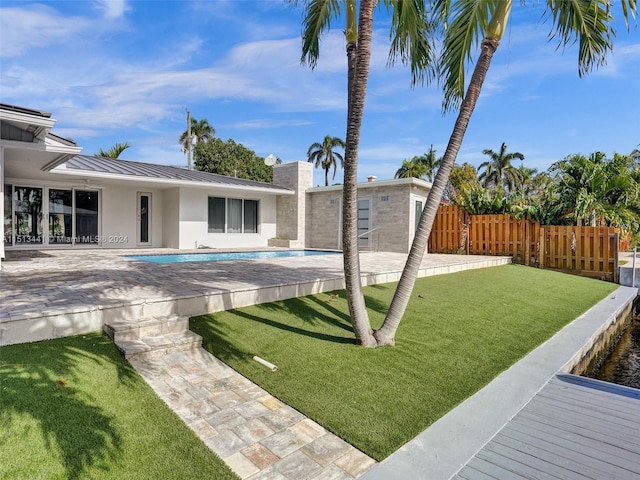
(163, 181)
(45, 122)
(382, 183)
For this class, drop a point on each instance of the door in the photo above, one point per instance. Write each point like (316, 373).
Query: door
(28, 205)
(364, 222)
(60, 216)
(144, 218)
(87, 220)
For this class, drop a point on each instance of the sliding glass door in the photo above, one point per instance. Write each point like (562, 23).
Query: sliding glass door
(50, 216)
(86, 210)
(60, 216)
(28, 215)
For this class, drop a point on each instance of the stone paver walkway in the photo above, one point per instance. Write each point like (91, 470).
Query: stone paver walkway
(258, 436)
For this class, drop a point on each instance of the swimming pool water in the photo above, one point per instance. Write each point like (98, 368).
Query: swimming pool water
(220, 256)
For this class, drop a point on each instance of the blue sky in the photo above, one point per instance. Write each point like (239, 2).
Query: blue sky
(114, 71)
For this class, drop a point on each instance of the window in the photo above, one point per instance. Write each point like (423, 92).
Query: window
(216, 214)
(418, 213)
(250, 216)
(233, 215)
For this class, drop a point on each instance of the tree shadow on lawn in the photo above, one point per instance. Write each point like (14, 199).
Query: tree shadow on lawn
(39, 380)
(215, 332)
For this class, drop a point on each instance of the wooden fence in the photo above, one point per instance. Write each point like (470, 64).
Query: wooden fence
(587, 251)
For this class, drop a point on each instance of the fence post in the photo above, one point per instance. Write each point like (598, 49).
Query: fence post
(616, 270)
(541, 247)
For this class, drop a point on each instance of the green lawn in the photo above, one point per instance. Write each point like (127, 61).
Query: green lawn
(73, 408)
(459, 332)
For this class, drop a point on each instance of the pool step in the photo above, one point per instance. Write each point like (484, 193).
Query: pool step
(152, 336)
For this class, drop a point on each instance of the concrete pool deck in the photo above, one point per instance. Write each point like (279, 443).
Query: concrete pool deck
(55, 293)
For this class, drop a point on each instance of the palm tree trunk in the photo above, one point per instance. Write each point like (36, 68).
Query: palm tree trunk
(386, 334)
(326, 177)
(358, 57)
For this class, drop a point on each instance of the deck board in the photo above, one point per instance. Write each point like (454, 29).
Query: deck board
(574, 428)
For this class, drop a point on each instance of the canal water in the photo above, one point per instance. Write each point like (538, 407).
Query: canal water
(622, 365)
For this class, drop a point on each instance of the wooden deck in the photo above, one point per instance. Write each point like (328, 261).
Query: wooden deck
(574, 428)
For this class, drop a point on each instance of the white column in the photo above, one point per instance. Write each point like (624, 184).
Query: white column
(1, 205)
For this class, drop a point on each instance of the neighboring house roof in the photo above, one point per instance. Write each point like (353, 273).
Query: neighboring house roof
(378, 183)
(101, 167)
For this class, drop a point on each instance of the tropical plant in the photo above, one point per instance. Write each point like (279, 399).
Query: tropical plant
(411, 42)
(587, 22)
(595, 190)
(420, 166)
(413, 168)
(113, 152)
(498, 171)
(323, 155)
(201, 131)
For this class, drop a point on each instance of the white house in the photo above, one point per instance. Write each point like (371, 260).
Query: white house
(54, 197)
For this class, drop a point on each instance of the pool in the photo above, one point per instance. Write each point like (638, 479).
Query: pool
(222, 256)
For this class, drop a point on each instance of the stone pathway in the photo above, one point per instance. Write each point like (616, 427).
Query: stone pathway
(258, 436)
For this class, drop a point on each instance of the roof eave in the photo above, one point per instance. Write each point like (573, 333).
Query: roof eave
(60, 170)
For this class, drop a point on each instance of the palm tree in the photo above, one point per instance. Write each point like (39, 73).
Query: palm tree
(431, 162)
(413, 168)
(324, 157)
(587, 22)
(592, 190)
(498, 171)
(115, 151)
(201, 130)
(410, 41)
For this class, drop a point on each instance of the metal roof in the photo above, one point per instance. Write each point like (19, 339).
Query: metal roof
(94, 164)
(27, 111)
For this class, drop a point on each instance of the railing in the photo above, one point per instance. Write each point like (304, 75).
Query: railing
(370, 247)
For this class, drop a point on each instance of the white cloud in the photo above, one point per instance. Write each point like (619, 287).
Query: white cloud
(34, 26)
(113, 9)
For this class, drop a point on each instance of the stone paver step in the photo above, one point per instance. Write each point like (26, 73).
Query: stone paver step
(156, 345)
(121, 330)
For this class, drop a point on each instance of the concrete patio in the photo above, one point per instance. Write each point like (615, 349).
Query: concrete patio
(56, 293)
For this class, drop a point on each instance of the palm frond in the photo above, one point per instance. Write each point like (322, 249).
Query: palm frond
(587, 22)
(412, 37)
(316, 22)
(466, 30)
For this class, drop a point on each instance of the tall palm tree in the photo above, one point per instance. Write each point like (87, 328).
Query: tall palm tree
(411, 42)
(115, 151)
(587, 22)
(201, 130)
(323, 156)
(498, 171)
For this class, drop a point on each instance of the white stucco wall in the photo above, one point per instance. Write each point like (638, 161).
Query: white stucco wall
(171, 218)
(194, 217)
(120, 216)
